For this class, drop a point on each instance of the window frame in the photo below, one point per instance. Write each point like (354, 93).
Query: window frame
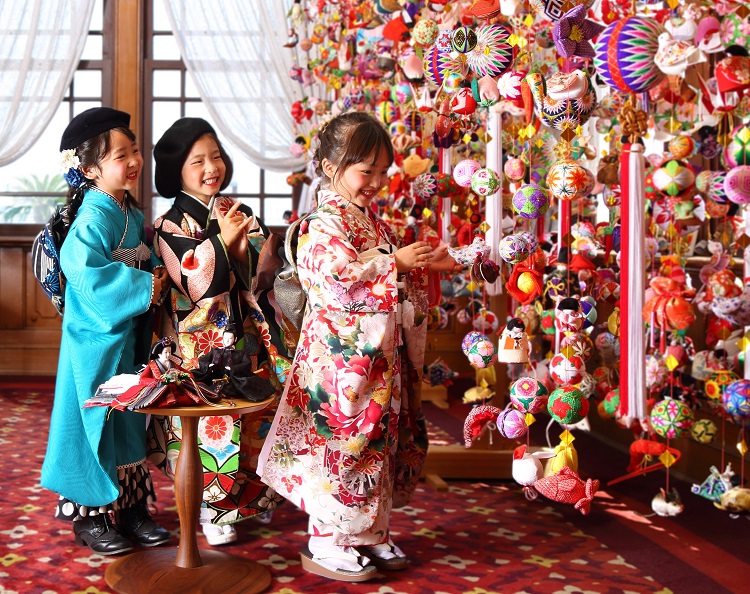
(20, 231)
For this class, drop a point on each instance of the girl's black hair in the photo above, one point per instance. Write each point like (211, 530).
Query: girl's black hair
(351, 138)
(91, 152)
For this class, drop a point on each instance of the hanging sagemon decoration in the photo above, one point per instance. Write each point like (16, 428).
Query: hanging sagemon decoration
(512, 423)
(481, 353)
(625, 53)
(492, 54)
(564, 100)
(567, 406)
(737, 185)
(674, 178)
(671, 418)
(718, 382)
(485, 182)
(567, 180)
(464, 170)
(513, 249)
(530, 201)
(564, 369)
(736, 400)
(529, 395)
(737, 152)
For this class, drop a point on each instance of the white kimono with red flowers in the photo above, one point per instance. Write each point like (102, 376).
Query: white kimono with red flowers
(348, 441)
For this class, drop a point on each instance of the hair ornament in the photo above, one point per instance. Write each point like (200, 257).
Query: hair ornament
(69, 163)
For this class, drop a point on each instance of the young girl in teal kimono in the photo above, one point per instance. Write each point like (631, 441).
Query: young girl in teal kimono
(349, 438)
(96, 459)
(212, 247)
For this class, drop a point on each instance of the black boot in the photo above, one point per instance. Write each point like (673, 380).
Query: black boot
(100, 535)
(136, 523)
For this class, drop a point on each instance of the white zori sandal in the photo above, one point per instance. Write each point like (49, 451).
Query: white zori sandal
(345, 564)
(217, 535)
(386, 556)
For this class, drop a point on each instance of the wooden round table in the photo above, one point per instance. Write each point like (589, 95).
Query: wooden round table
(170, 570)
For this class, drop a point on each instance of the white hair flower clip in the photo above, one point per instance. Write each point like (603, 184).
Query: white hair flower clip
(68, 160)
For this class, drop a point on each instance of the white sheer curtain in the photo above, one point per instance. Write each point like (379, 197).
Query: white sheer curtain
(234, 52)
(41, 42)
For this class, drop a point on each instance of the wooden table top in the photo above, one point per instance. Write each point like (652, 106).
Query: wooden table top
(241, 406)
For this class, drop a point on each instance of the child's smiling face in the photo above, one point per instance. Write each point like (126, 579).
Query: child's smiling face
(204, 169)
(362, 181)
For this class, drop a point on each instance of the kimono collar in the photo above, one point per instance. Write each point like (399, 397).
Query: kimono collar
(337, 200)
(192, 206)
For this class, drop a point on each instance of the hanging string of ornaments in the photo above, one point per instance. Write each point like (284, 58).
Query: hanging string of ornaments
(589, 161)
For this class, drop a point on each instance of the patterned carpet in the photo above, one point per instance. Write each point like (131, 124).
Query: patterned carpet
(476, 538)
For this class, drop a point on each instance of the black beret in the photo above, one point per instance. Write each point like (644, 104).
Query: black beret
(90, 123)
(174, 147)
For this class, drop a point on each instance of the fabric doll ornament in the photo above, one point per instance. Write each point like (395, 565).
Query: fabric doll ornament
(568, 317)
(514, 343)
(564, 100)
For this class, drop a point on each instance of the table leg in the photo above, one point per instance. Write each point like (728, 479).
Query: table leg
(188, 491)
(187, 569)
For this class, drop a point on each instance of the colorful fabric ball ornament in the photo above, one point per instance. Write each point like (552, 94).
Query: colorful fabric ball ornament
(528, 395)
(512, 423)
(485, 182)
(464, 170)
(463, 39)
(386, 112)
(424, 186)
(425, 32)
(452, 82)
(513, 249)
(718, 382)
(470, 339)
(716, 190)
(625, 53)
(581, 345)
(481, 353)
(671, 418)
(674, 178)
(492, 54)
(566, 370)
(608, 346)
(531, 241)
(567, 180)
(587, 385)
(657, 372)
(396, 128)
(485, 321)
(414, 122)
(530, 201)
(704, 431)
(737, 185)
(438, 61)
(588, 309)
(567, 406)
(681, 147)
(610, 405)
(736, 399)
(737, 151)
(514, 169)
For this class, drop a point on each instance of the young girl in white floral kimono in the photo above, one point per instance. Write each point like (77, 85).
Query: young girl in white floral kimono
(348, 441)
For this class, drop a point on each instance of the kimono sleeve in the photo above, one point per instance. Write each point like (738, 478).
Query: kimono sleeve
(199, 267)
(108, 293)
(338, 278)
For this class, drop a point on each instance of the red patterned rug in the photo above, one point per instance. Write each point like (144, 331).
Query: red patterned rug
(476, 538)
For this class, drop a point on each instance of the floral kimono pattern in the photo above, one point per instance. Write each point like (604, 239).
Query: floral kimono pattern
(349, 438)
(211, 289)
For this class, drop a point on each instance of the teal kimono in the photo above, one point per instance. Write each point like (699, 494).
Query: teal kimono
(104, 301)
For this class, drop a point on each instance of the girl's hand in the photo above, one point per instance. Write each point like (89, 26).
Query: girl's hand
(234, 226)
(415, 255)
(157, 288)
(442, 261)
